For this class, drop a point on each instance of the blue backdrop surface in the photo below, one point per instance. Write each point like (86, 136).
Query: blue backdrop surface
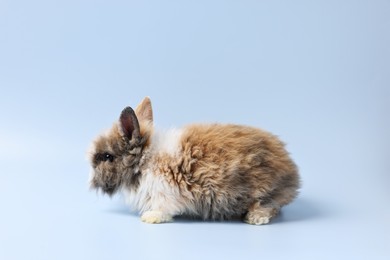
(316, 73)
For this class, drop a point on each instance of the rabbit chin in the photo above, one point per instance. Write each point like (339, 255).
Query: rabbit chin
(106, 189)
(110, 190)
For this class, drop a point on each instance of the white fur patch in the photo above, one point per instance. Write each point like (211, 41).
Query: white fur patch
(154, 193)
(167, 141)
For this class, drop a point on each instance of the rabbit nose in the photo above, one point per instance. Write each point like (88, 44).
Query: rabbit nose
(108, 188)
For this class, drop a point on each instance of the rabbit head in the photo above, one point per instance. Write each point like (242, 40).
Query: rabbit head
(115, 156)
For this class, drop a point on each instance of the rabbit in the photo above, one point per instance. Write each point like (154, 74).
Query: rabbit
(208, 171)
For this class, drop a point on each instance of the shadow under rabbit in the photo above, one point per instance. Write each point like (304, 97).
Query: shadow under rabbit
(300, 210)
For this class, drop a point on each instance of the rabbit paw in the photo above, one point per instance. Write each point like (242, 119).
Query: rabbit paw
(155, 217)
(259, 215)
(256, 219)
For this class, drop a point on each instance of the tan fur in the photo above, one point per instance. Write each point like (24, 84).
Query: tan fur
(144, 111)
(214, 171)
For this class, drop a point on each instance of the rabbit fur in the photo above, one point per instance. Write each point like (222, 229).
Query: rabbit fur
(212, 171)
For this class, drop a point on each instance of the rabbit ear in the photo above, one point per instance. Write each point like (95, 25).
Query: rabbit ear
(129, 123)
(144, 110)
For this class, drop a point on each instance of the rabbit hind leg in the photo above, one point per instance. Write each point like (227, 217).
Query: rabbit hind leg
(259, 214)
(269, 206)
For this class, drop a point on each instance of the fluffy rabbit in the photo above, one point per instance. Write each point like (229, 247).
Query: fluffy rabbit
(212, 171)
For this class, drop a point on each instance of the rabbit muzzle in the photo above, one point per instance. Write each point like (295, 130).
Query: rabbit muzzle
(107, 183)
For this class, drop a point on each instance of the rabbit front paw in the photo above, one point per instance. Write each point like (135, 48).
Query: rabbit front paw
(155, 217)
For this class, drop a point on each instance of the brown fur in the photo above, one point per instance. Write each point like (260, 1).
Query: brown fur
(218, 171)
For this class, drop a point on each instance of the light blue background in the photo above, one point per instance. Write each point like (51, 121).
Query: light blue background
(316, 73)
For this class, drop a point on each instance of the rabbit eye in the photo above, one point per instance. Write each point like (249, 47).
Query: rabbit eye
(108, 157)
(103, 157)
